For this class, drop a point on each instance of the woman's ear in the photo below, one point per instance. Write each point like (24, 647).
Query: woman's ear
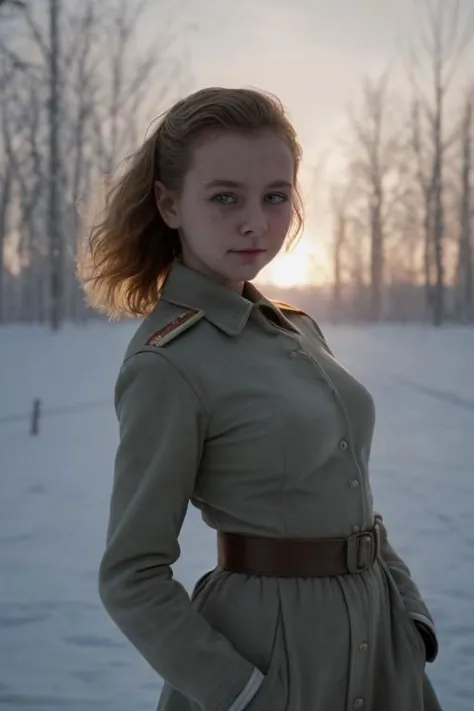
(167, 204)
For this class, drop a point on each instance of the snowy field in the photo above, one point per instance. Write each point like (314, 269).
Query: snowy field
(58, 648)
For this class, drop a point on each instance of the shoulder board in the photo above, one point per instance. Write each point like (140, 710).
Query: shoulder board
(287, 307)
(175, 327)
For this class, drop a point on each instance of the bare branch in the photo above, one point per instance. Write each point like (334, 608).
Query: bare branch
(454, 26)
(15, 3)
(418, 90)
(81, 33)
(426, 42)
(464, 41)
(17, 62)
(452, 138)
(36, 33)
(433, 20)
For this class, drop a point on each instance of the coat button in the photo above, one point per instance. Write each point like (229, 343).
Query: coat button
(363, 647)
(358, 703)
(293, 354)
(354, 484)
(343, 445)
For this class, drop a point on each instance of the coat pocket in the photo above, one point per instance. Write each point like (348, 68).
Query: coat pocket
(273, 693)
(246, 610)
(199, 588)
(414, 638)
(401, 616)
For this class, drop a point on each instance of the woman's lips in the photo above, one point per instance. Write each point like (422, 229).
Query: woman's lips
(249, 252)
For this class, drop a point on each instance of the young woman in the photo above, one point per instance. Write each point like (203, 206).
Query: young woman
(235, 403)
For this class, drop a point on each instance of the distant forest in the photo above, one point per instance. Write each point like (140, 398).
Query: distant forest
(74, 86)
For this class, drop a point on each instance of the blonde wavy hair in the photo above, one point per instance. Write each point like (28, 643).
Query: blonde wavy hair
(124, 257)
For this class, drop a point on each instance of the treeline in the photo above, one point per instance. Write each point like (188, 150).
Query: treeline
(403, 210)
(77, 88)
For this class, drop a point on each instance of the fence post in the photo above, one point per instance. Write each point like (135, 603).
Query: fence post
(35, 417)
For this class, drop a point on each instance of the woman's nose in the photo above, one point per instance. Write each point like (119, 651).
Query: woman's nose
(254, 221)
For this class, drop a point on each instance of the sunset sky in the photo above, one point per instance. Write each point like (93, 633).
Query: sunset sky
(314, 54)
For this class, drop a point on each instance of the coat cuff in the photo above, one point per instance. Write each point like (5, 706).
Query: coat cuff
(249, 691)
(427, 630)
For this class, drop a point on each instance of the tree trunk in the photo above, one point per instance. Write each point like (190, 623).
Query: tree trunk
(464, 271)
(438, 217)
(54, 210)
(376, 261)
(338, 246)
(4, 207)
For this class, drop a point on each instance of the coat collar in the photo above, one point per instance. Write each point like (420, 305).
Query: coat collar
(224, 308)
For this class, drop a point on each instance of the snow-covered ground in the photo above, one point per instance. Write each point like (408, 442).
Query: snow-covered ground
(58, 648)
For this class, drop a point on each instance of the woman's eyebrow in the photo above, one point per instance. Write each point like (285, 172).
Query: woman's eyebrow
(224, 183)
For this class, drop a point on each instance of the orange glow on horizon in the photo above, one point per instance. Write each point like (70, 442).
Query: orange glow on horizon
(307, 264)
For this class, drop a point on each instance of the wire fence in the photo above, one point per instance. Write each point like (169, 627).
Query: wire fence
(38, 412)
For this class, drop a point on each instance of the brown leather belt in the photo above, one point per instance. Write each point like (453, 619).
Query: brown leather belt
(297, 557)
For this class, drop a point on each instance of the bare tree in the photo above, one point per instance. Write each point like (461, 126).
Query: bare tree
(123, 84)
(54, 171)
(80, 62)
(6, 180)
(465, 267)
(447, 38)
(25, 142)
(424, 177)
(340, 233)
(376, 144)
(61, 135)
(343, 203)
(45, 43)
(7, 76)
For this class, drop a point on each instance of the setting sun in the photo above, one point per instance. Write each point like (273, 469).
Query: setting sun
(305, 264)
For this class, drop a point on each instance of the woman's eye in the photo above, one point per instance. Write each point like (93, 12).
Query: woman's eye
(224, 199)
(231, 199)
(276, 198)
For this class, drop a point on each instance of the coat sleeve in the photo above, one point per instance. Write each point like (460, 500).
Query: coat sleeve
(162, 427)
(411, 596)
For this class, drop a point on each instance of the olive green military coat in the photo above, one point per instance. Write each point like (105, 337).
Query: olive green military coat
(238, 405)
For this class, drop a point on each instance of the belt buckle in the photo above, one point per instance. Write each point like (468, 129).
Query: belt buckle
(362, 549)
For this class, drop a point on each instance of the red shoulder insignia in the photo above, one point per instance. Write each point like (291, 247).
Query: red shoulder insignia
(175, 327)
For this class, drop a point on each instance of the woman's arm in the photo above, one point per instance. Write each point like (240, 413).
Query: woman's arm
(414, 603)
(162, 430)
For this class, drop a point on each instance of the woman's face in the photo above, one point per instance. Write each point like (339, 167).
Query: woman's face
(235, 206)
